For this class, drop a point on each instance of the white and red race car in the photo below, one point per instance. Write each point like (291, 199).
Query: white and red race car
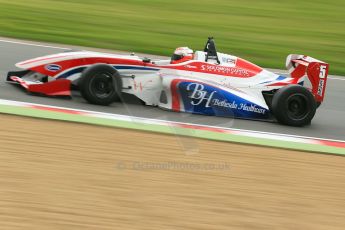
(210, 83)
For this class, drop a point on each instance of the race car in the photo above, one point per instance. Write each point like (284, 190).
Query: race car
(202, 82)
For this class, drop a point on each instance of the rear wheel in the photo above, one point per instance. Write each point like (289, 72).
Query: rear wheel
(294, 105)
(100, 84)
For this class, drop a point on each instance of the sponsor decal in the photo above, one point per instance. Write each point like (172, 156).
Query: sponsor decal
(225, 70)
(142, 85)
(251, 108)
(322, 71)
(225, 103)
(241, 106)
(53, 67)
(190, 66)
(320, 88)
(198, 94)
(229, 60)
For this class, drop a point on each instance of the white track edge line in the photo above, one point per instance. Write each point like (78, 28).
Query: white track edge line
(32, 44)
(181, 123)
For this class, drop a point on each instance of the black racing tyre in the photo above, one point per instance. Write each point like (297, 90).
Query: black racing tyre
(294, 105)
(100, 84)
(318, 104)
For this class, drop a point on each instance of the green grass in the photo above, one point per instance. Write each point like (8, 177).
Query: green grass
(264, 31)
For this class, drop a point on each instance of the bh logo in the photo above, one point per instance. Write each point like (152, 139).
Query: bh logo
(199, 94)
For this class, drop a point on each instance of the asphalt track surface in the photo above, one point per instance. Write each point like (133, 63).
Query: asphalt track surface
(329, 121)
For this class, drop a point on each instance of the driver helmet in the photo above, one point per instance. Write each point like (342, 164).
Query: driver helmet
(182, 54)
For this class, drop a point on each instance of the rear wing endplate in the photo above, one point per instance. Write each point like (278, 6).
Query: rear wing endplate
(316, 70)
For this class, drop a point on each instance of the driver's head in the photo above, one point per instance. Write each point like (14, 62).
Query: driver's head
(181, 54)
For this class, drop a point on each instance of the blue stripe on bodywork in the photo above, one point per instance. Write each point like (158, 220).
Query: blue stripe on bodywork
(71, 72)
(135, 67)
(279, 78)
(119, 67)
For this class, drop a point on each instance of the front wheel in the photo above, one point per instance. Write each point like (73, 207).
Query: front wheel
(100, 84)
(294, 105)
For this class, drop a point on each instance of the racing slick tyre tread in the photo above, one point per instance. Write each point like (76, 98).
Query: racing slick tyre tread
(294, 105)
(100, 84)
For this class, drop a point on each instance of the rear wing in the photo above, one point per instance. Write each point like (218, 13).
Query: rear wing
(316, 70)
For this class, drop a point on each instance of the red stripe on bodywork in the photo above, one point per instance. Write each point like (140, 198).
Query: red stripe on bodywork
(243, 69)
(68, 64)
(175, 104)
(61, 87)
(279, 84)
(290, 82)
